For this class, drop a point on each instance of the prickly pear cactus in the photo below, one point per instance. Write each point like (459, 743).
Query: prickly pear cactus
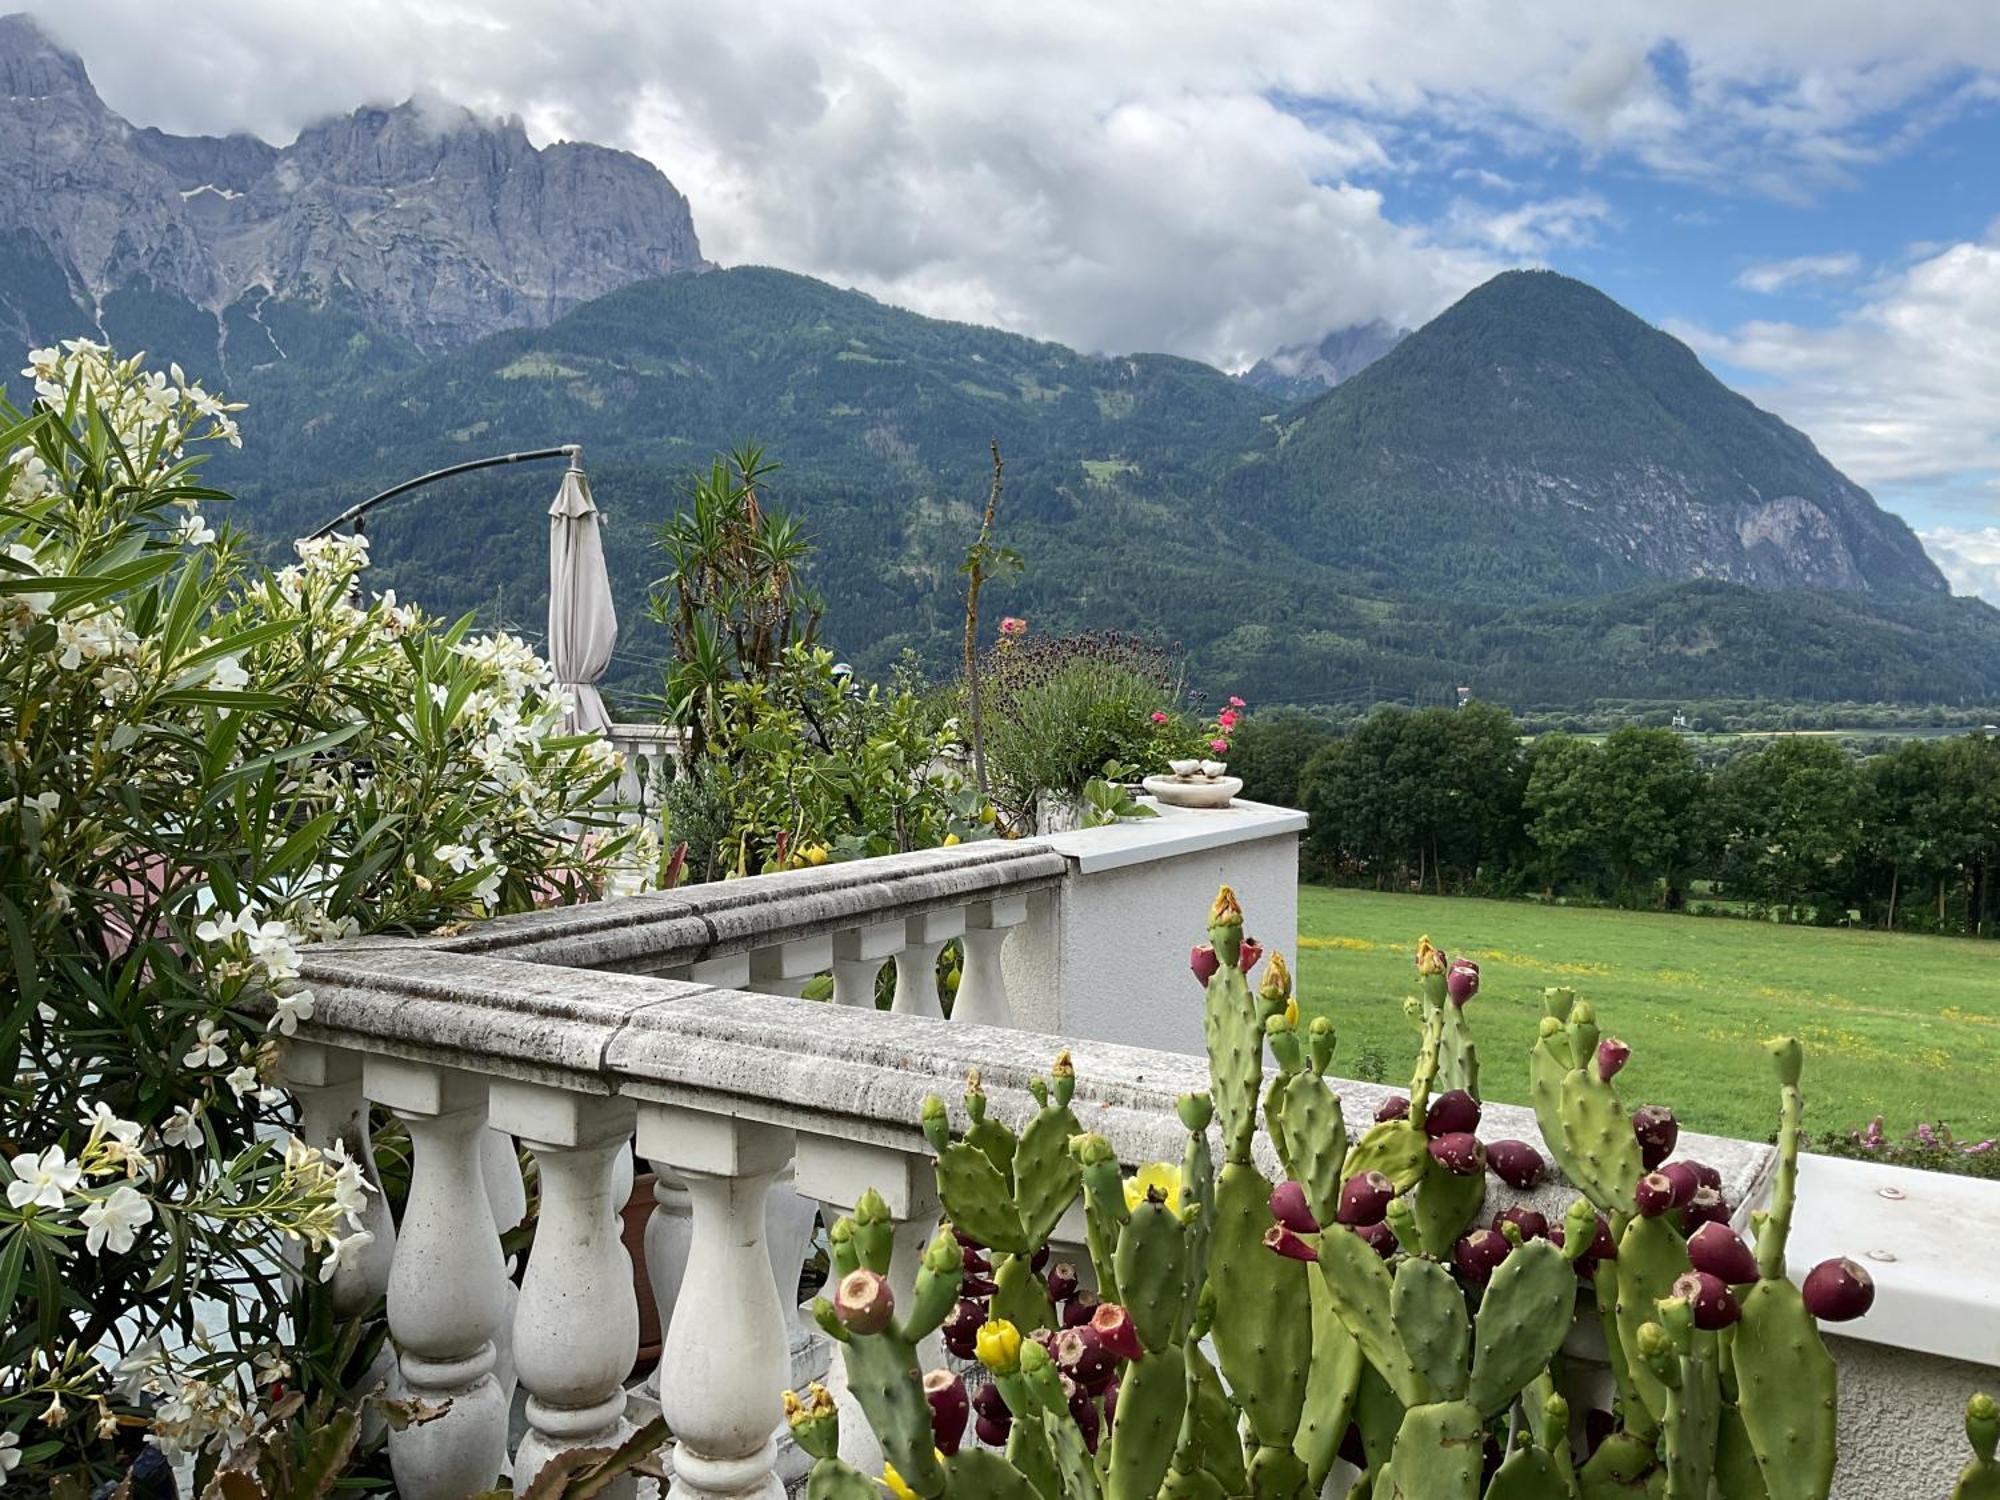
(1981, 1478)
(1353, 1314)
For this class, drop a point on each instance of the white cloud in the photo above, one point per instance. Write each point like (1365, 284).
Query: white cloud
(1181, 175)
(1969, 558)
(1777, 275)
(1529, 230)
(1905, 385)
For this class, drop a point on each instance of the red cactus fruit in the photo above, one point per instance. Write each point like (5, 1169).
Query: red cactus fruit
(950, 1409)
(1531, 1225)
(1203, 962)
(1364, 1199)
(863, 1302)
(1720, 1251)
(1681, 1175)
(1837, 1290)
(1657, 1130)
(1454, 1113)
(1288, 1207)
(988, 1402)
(961, 1327)
(1288, 1244)
(1379, 1236)
(1713, 1304)
(993, 1431)
(1707, 1206)
(1061, 1281)
(1612, 1054)
(1252, 950)
(1081, 1355)
(1516, 1163)
(1078, 1310)
(1113, 1325)
(1461, 981)
(1459, 1153)
(1395, 1107)
(1479, 1254)
(1655, 1194)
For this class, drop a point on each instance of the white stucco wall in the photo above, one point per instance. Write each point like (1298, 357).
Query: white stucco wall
(1104, 955)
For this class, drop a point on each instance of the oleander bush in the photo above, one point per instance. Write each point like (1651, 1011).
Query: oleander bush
(205, 766)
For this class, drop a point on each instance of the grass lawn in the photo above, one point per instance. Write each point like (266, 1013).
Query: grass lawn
(1902, 1026)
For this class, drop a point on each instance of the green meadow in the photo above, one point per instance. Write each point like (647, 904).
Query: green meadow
(1902, 1026)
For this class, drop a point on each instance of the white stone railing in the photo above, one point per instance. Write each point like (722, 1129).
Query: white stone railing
(651, 752)
(667, 1027)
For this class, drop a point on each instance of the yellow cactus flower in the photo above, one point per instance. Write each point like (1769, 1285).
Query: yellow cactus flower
(1226, 912)
(1163, 1176)
(1430, 960)
(998, 1345)
(895, 1483)
(950, 839)
(816, 854)
(1292, 1012)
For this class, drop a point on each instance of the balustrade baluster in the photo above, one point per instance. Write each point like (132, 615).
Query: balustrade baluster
(916, 965)
(327, 1083)
(786, 968)
(446, 1285)
(725, 1360)
(858, 957)
(982, 984)
(576, 1329)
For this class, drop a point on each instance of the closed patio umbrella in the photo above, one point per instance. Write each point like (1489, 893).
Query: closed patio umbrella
(583, 625)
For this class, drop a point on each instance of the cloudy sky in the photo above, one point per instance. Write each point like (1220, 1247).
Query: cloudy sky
(1808, 191)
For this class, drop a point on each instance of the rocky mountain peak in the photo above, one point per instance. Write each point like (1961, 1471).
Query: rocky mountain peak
(426, 220)
(34, 66)
(1298, 372)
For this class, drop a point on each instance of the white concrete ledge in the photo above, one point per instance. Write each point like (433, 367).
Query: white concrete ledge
(1930, 1240)
(1176, 831)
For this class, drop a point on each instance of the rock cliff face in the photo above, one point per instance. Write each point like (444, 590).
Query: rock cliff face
(424, 220)
(1300, 371)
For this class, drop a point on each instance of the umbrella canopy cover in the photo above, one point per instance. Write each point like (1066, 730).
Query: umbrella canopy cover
(583, 625)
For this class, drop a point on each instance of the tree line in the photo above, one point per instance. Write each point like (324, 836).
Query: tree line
(1798, 827)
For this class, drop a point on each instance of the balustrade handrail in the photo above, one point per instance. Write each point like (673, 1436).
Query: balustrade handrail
(857, 1075)
(675, 929)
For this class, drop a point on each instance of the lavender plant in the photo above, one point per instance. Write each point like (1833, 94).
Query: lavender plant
(1249, 1336)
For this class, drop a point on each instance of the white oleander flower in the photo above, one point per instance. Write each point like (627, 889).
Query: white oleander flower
(242, 1080)
(103, 1123)
(10, 1455)
(220, 928)
(183, 1128)
(291, 1009)
(208, 1050)
(194, 531)
(114, 1221)
(42, 1179)
(343, 1250)
(228, 676)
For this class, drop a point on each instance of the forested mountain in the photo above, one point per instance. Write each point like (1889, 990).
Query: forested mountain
(1537, 440)
(1536, 494)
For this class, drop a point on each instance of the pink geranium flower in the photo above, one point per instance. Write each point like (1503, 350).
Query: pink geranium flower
(1237, 703)
(1220, 747)
(1158, 717)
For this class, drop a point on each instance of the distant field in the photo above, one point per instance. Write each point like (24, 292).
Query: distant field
(1903, 1026)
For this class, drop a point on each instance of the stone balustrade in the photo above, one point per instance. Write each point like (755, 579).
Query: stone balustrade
(668, 1027)
(650, 751)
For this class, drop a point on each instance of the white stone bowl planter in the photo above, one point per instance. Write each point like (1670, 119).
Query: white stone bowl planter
(1178, 791)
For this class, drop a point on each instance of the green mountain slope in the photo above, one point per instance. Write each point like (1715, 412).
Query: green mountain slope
(1297, 554)
(1538, 440)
